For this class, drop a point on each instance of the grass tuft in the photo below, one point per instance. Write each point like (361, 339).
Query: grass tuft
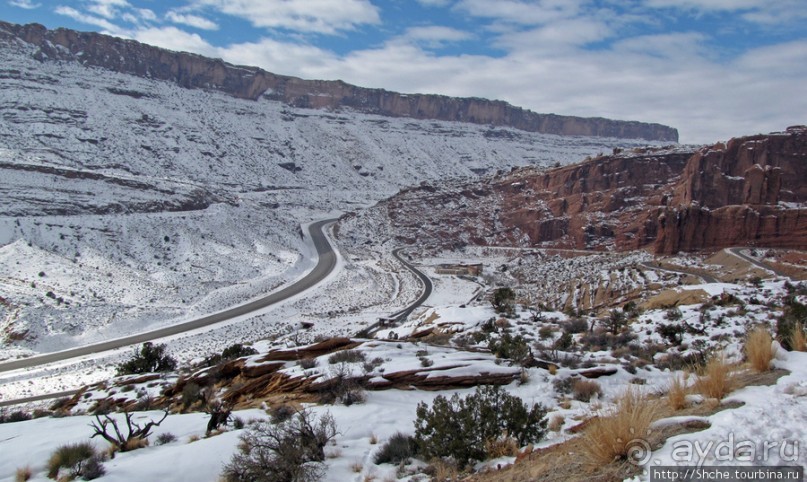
(797, 339)
(23, 474)
(759, 349)
(613, 435)
(677, 392)
(716, 379)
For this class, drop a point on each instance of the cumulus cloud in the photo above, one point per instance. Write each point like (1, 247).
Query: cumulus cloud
(104, 24)
(173, 38)
(191, 20)
(317, 16)
(108, 9)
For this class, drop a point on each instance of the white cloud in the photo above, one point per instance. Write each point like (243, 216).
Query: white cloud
(107, 26)
(435, 3)
(433, 36)
(173, 38)
(108, 9)
(194, 21)
(769, 12)
(320, 16)
(522, 12)
(26, 4)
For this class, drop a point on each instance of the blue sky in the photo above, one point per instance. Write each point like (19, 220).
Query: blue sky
(711, 68)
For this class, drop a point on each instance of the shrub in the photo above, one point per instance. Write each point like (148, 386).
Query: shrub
(15, 416)
(583, 390)
(503, 299)
(308, 363)
(612, 435)
(289, 451)
(76, 460)
(672, 332)
(459, 427)
(616, 321)
(513, 348)
(165, 438)
(150, 358)
(716, 379)
(281, 413)
(502, 446)
(238, 423)
(237, 351)
(576, 325)
(347, 356)
(399, 448)
(759, 349)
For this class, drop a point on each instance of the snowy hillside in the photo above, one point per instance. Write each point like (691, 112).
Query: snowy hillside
(126, 202)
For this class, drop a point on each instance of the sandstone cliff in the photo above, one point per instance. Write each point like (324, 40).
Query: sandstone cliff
(194, 71)
(751, 191)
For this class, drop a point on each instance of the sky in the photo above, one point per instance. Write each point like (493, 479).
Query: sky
(713, 69)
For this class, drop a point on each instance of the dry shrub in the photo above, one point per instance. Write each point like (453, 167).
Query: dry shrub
(798, 341)
(677, 392)
(501, 447)
(373, 439)
(553, 369)
(556, 422)
(356, 467)
(616, 433)
(759, 349)
(135, 443)
(716, 379)
(194, 438)
(584, 390)
(22, 474)
(442, 471)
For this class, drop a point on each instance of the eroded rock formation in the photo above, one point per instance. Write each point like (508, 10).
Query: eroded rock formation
(195, 71)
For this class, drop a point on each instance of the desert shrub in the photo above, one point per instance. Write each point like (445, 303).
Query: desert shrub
(673, 314)
(503, 299)
(399, 448)
(237, 351)
(584, 390)
(546, 332)
(502, 446)
(307, 363)
(676, 361)
(513, 348)
(716, 379)
(347, 356)
(672, 332)
(794, 314)
(459, 427)
(564, 342)
(15, 416)
(191, 393)
(150, 358)
(612, 435)
(759, 349)
(281, 413)
(576, 325)
(75, 459)
(165, 438)
(238, 423)
(616, 321)
(289, 451)
(603, 339)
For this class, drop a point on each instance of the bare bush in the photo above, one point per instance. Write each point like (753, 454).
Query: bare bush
(135, 437)
(290, 451)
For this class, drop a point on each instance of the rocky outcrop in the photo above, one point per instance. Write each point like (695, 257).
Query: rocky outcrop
(195, 71)
(750, 191)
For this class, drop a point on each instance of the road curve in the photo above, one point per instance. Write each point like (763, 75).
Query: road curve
(705, 277)
(759, 264)
(427, 287)
(325, 264)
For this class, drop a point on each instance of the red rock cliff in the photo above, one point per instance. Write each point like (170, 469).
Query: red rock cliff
(195, 71)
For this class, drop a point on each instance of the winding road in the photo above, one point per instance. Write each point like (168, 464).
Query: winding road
(427, 287)
(326, 262)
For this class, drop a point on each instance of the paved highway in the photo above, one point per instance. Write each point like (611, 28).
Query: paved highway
(325, 265)
(427, 287)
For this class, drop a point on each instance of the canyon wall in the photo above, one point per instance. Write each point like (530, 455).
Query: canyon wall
(195, 71)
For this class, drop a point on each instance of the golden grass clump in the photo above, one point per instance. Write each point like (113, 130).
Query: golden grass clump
(615, 434)
(759, 349)
(677, 392)
(504, 446)
(22, 474)
(797, 339)
(716, 379)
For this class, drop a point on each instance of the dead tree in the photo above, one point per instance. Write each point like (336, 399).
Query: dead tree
(135, 433)
(219, 413)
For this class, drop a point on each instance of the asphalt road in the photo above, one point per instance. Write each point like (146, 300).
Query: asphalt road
(756, 262)
(705, 277)
(325, 265)
(427, 287)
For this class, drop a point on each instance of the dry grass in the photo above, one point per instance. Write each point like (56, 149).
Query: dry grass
(442, 471)
(613, 435)
(797, 339)
(553, 369)
(194, 438)
(716, 379)
(373, 439)
(356, 467)
(22, 474)
(759, 349)
(584, 390)
(555, 423)
(677, 392)
(501, 447)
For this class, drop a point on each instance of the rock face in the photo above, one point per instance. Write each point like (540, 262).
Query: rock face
(751, 191)
(194, 71)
